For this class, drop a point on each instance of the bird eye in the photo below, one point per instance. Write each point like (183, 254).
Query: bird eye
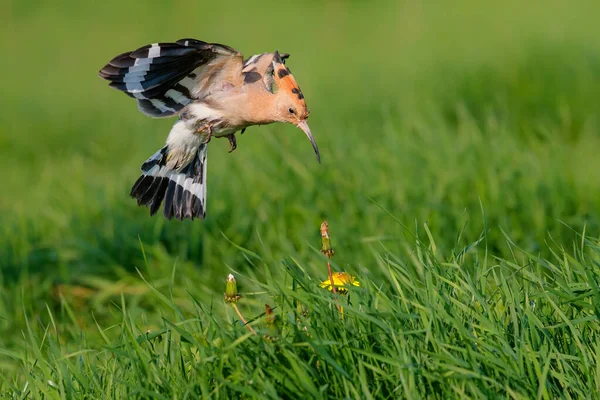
(291, 110)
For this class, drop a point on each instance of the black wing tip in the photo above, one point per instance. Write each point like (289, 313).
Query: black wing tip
(102, 72)
(190, 42)
(202, 45)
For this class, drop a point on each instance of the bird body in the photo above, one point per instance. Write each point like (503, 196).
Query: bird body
(214, 93)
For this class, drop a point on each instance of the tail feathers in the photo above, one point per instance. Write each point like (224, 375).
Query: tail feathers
(183, 190)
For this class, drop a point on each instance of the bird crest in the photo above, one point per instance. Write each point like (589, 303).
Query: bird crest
(287, 84)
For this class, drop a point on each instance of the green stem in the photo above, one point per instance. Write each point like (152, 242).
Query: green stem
(243, 319)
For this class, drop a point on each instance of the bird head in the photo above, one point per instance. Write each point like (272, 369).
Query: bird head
(291, 106)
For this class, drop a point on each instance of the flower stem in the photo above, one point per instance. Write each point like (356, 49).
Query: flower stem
(242, 318)
(333, 289)
(328, 251)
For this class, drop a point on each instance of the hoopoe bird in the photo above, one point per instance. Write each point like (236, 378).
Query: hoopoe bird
(214, 92)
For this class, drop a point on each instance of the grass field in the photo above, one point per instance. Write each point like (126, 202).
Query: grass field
(460, 179)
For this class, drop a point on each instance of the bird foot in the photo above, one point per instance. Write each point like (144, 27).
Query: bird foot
(208, 130)
(232, 142)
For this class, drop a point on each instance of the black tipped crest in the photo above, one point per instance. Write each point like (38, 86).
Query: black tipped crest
(283, 73)
(277, 57)
(298, 92)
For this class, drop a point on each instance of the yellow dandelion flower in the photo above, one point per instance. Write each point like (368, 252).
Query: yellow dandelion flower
(340, 279)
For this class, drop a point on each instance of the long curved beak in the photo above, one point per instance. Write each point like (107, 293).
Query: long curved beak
(304, 126)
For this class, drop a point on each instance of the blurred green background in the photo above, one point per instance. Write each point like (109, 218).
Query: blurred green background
(461, 116)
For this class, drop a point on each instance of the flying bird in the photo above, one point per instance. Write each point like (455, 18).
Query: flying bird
(214, 92)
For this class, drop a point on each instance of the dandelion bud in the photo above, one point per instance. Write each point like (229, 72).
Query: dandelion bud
(231, 293)
(325, 240)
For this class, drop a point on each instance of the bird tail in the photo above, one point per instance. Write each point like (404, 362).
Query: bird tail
(183, 189)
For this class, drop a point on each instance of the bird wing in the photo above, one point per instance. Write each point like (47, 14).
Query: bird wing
(257, 71)
(166, 77)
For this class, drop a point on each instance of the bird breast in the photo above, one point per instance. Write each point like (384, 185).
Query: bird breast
(199, 115)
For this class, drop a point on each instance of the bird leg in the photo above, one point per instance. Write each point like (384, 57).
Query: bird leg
(232, 142)
(208, 130)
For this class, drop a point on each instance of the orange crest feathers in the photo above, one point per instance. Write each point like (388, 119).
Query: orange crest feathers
(285, 81)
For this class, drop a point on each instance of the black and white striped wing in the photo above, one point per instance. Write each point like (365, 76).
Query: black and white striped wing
(165, 77)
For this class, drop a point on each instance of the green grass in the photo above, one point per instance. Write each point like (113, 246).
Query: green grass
(462, 327)
(460, 179)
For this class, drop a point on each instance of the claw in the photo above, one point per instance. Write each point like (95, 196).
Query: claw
(208, 130)
(232, 142)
